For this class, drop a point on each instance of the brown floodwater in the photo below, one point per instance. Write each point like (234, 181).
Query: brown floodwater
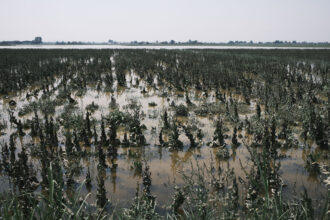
(165, 164)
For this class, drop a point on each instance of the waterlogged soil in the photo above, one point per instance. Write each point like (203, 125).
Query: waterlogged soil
(165, 164)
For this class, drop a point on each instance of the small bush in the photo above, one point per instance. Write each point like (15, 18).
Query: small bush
(181, 110)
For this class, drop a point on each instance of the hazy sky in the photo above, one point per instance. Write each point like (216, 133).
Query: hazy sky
(151, 20)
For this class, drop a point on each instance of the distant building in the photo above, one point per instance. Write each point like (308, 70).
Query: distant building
(37, 40)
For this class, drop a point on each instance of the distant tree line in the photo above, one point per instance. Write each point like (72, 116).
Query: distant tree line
(37, 40)
(240, 43)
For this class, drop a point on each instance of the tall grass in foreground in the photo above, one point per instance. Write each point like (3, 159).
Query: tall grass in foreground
(207, 193)
(48, 205)
(274, 207)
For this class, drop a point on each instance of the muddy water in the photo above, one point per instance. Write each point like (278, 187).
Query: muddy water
(165, 164)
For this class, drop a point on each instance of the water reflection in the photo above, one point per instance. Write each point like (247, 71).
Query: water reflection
(123, 171)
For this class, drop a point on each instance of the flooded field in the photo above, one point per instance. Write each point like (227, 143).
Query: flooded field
(184, 129)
